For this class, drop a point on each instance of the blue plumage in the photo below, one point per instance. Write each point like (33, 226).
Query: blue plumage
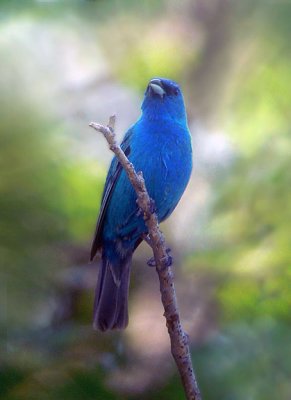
(159, 145)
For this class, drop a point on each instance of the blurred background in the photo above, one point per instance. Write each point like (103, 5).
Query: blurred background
(66, 63)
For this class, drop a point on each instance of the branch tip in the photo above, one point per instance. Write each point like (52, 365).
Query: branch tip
(111, 123)
(95, 126)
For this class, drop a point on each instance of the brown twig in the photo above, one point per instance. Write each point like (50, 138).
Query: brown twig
(179, 339)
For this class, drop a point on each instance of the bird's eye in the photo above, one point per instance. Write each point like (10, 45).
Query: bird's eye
(176, 92)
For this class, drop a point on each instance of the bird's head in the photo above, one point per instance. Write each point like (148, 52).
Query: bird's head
(163, 99)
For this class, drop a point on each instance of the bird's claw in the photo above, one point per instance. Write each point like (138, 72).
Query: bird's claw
(167, 261)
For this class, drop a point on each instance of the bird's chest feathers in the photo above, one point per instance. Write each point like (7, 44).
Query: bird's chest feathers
(160, 158)
(168, 154)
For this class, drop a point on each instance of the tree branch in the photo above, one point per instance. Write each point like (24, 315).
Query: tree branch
(179, 339)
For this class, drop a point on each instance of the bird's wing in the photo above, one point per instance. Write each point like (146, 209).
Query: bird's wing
(112, 177)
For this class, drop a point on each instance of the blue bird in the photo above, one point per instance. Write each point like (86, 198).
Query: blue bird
(159, 145)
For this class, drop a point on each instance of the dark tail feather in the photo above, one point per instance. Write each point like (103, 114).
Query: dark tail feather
(111, 295)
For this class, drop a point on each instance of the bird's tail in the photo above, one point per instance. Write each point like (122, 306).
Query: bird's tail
(111, 295)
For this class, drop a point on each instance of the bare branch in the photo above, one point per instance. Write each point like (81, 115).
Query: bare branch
(179, 338)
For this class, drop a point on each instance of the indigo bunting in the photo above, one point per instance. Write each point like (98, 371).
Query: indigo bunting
(159, 145)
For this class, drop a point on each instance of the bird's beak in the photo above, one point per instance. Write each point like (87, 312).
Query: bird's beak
(156, 87)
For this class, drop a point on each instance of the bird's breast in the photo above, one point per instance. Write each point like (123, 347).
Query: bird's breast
(166, 165)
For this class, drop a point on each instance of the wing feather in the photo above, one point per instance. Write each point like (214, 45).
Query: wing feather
(112, 177)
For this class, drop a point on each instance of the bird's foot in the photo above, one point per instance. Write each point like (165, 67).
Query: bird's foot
(167, 261)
